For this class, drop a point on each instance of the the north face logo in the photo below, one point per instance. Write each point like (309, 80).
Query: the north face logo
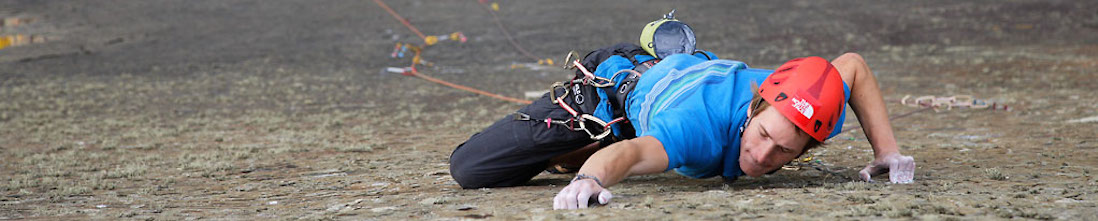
(804, 107)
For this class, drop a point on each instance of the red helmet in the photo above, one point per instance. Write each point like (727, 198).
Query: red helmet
(809, 92)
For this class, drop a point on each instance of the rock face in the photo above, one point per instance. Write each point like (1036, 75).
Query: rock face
(280, 109)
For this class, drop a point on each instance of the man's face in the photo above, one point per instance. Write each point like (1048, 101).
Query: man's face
(768, 142)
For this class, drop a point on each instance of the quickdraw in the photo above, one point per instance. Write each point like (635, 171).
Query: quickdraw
(960, 101)
(580, 119)
(574, 124)
(934, 103)
(548, 121)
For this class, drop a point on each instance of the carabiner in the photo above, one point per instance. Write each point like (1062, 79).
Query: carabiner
(605, 132)
(567, 60)
(553, 91)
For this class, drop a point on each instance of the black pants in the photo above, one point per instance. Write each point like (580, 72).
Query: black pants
(511, 152)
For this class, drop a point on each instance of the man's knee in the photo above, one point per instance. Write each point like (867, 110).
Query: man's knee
(462, 170)
(463, 175)
(472, 170)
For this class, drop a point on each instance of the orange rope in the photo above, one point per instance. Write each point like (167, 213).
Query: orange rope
(401, 19)
(415, 73)
(505, 33)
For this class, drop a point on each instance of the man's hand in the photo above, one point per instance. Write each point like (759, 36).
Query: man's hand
(579, 193)
(900, 168)
(642, 155)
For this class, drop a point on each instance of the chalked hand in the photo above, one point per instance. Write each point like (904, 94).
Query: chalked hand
(900, 168)
(581, 193)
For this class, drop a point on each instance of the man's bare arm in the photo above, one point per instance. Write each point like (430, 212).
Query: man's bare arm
(867, 103)
(869, 107)
(643, 155)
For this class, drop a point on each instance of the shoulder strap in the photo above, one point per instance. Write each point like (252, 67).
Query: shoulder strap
(596, 57)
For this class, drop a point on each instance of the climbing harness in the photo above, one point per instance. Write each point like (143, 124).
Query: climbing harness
(579, 121)
(659, 39)
(579, 95)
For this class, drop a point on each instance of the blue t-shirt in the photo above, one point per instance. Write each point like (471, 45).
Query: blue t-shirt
(695, 108)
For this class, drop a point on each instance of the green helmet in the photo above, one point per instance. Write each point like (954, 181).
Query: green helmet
(667, 36)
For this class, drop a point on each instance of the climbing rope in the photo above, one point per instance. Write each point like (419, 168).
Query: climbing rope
(402, 20)
(909, 113)
(415, 73)
(411, 70)
(492, 8)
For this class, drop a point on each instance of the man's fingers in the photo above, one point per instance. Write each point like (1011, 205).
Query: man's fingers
(865, 174)
(901, 174)
(909, 172)
(579, 195)
(907, 169)
(895, 168)
(570, 200)
(583, 198)
(558, 201)
(902, 169)
(604, 197)
(557, 204)
(562, 198)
